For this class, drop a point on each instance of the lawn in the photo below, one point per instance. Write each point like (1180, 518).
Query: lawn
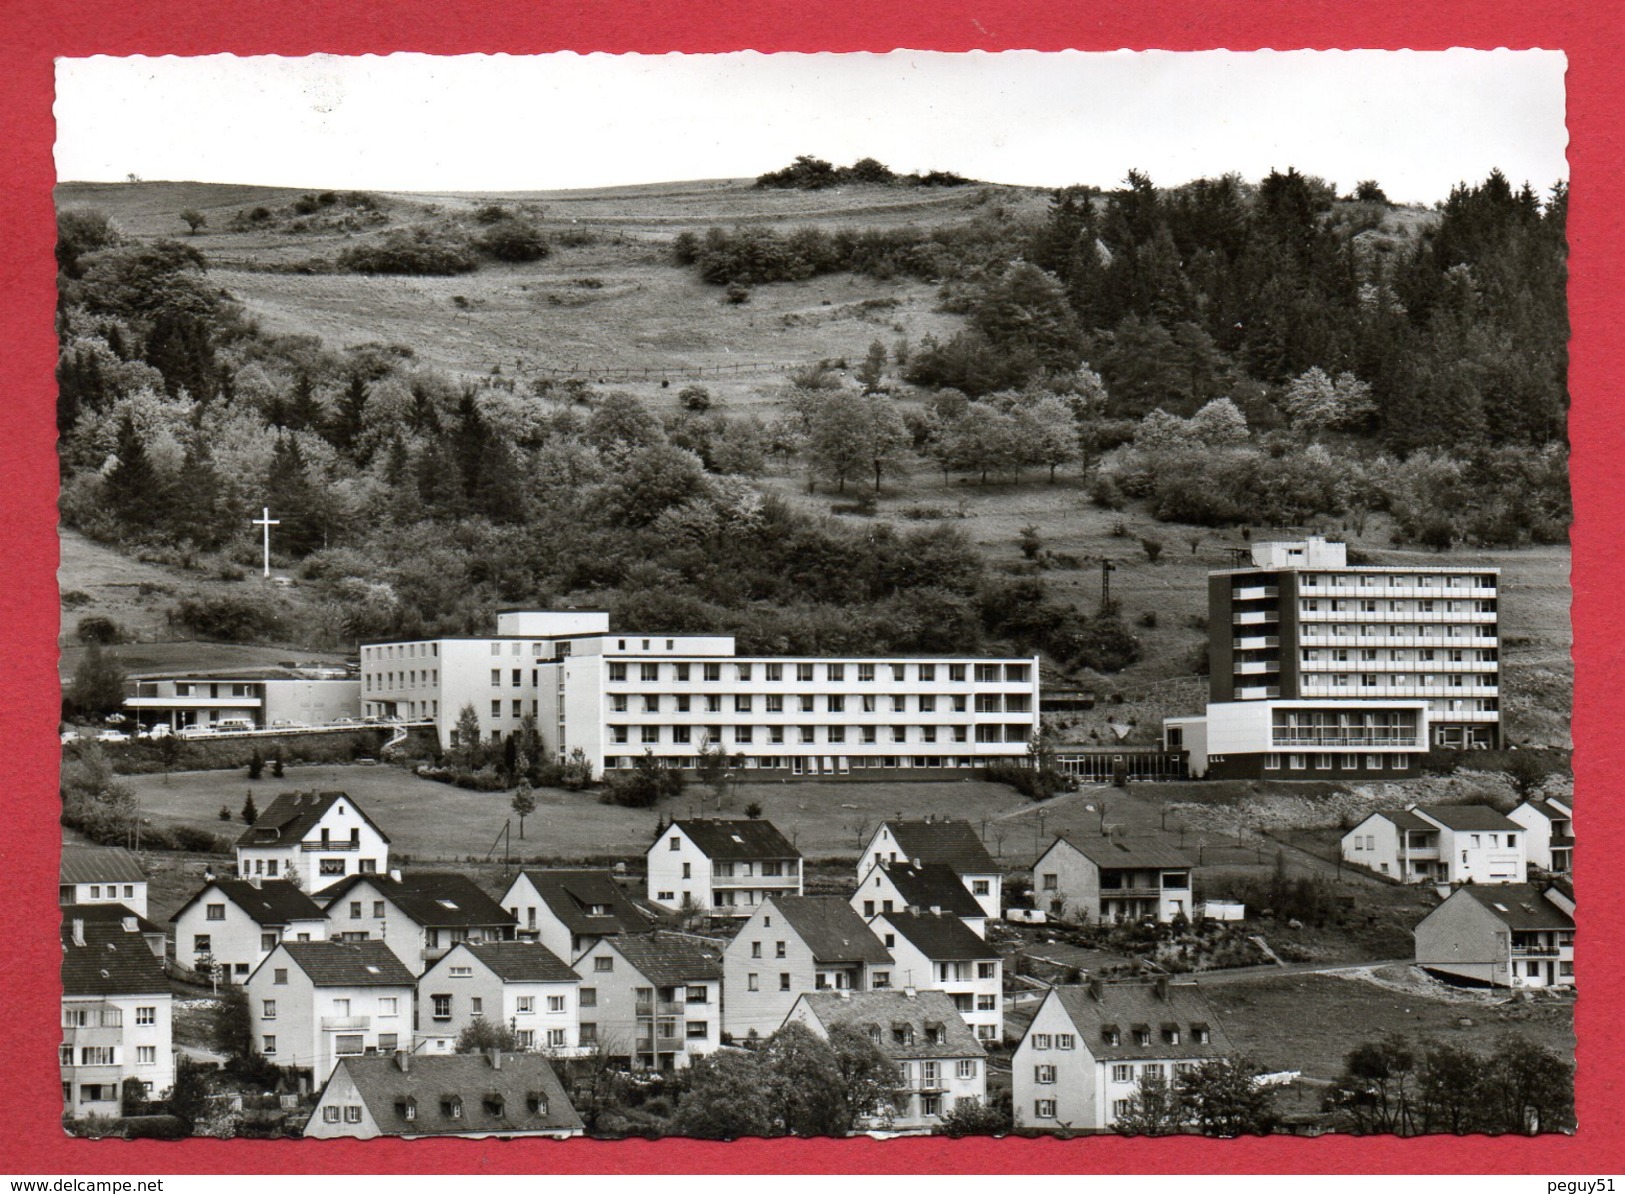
(1309, 1022)
(432, 821)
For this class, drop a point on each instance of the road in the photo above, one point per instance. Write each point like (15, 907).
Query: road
(1241, 974)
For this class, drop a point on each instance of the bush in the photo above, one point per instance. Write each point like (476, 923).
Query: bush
(421, 251)
(97, 629)
(514, 240)
(1036, 783)
(694, 398)
(229, 617)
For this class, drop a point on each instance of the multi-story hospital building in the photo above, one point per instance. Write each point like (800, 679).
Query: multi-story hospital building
(616, 696)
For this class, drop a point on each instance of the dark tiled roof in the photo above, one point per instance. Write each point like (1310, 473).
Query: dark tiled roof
(1467, 817)
(520, 961)
(349, 963)
(110, 913)
(1127, 1005)
(1135, 853)
(100, 864)
(1407, 821)
(954, 843)
(437, 899)
(292, 815)
(112, 961)
(670, 959)
(743, 838)
(941, 938)
(1552, 810)
(886, 1010)
(831, 929)
(1517, 905)
(933, 885)
(273, 902)
(570, 894)
(470, 1077)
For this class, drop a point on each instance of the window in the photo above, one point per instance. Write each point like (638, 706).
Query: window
(1044, 1108)
(742, 702)
(210, 911)
(617, 672)
(355, 909)
(784, 982)
(555, 1003)
(1041, 1040)
(987, 969)
(330, 1115)
(349, 1045)
(442, 1006)
(589, 997)
(388, 1008)
(866, 672)
(1044, 1075)
(603, 965)
(476, 1007)
(1065, 1040)
(268, 1009)
(332, 866)
(967, 1068)
(200, 943)
(711, 671)
(987, 1003)
(279, 976)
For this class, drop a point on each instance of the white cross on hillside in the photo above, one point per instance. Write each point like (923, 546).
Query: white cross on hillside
(266, 521)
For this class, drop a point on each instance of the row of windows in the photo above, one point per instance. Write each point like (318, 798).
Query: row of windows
(1368, 605)
(805, 673)
(810, 764)
(1396, 655)
(1351, 762)
(1386, 630)
(745, 702)
(1405, 680)
(807, 735)
(429, 677)
(105, 1055)
(426, 650)
(1396, 580)
(96, 889)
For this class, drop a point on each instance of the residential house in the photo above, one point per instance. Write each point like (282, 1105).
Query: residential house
(234, 923)
(117, 1020)
(1440, 843)
(939, 1060)
(313, 1003)
(1548, 827)
(899, 886)
(568, 911)
(940, 840)
(651, 1000)
(935, 951)
(322, 837)
(1105, 879)
(521, 985)
(419, 916)
(102, 875)
(461, 1094)
(1509, 935)
(793, 944)
(723, 867)
(1090, 1047)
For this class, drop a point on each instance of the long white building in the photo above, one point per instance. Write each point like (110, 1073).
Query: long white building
(615, 696)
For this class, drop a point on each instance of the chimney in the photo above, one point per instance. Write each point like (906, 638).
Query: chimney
(255, 881)
(129, 923)
(1161, 987)
(1097, 989)
(496, 1059)
(917, 863)
(913, 909)
(936, 909)
(395, 875)
(403, 1059)
(909, 993)
(78, 930)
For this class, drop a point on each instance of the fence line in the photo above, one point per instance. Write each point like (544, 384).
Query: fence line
(665, 372)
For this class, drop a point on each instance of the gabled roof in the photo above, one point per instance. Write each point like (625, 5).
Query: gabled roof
(1126, 1006)
(954, 843)
(831, 929)
(520, 961)
(1133, 853)
(1552, 810)
(569, 896)
(742, 838)
(1407, 821)
(112, 961)
(670, 959)
(100, 864)
(110, 913)
(431, 1080)
(434, 899)
(349, 963)
(942, 938)
(933, 885)
(273, 902)
(292, 815)
(886, 1011)
(1517, 905)
(1467, 817)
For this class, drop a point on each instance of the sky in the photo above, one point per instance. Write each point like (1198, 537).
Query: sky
(1417, 122)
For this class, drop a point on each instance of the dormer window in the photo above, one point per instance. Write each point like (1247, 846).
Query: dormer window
(407, 1108)
(452, 1107)
(493, 1105)
(1111, 1035)
(1170, 1034)
(536, 1103)
(1200, 1034)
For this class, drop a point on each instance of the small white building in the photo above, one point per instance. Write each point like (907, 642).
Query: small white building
(267, 698)
(117, 1020)
(721, 866)
(793, 944)
(521, 985)
(937, 952)
(1511, 935)
(940, 840)
(313, 1003)
(1548, 834)
(236, 922)
(102, 875)
(939, 1061)
(419, 916)
(1439, 843)
(473, 1095)
(323, 837)
(1090, 1047)
(570, 910)
(930, 887)
(651, 1000)
(1103, 879)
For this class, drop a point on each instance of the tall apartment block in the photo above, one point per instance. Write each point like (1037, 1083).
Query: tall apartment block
(1323, 670)
(616, 696)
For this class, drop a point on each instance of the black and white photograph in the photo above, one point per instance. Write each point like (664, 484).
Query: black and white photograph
(758, 595)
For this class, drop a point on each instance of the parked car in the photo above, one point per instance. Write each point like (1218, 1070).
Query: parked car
(1026, 916)
(70, 736)
(196, 731)
(234, 725)
(155, 732)
(112, 736)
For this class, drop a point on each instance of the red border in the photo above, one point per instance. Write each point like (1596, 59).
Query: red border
(1591, 35)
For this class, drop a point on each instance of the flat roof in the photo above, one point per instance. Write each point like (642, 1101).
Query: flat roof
(1436, 570)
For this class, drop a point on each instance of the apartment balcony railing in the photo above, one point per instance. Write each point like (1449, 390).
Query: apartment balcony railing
(756, 880)
(1347, 741)
(1258, 692)
(1257, 667)
(346, 1023)
(1254, 617)
(1255, 592)
(1535, 951)
(98, 1034)
(1415, 617)
(329, 847)
(1257, 642)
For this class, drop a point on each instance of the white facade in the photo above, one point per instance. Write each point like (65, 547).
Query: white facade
(682, 875)
(132, 895)
(212, 925)
(1548, 834)
(1300, 738)
(878, 894)
(1418, 845)
(976, 985)
(616, 696)
(108, 1038)
(297, 1022)
(266, 702)
(342, 842)
(462, 987)
(986, 886)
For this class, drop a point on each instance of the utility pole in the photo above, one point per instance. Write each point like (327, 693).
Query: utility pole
(1106, 570)
(266, 522)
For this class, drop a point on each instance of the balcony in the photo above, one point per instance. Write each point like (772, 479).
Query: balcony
(1258, 692)
(1536, 951)
(93, 1035)
(730, 881)
(346, 1023)
(1350, 741)
(1257, 642)
(1257, 667)
(1254, 617)
(329, 847)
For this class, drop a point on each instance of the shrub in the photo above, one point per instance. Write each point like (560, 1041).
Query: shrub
(97, 629)
(229, 617)
(1153, 548)
(694, 398)
(1037, 783)
(737, 293)
(419, 251)
(514, 240)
